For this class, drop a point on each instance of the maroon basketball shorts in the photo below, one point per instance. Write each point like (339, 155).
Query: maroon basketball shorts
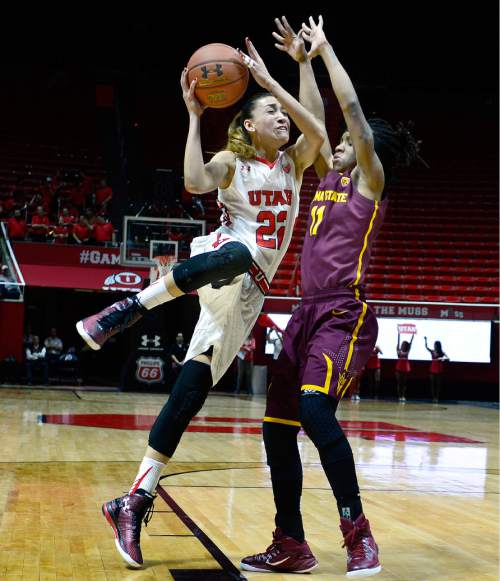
(326, 344)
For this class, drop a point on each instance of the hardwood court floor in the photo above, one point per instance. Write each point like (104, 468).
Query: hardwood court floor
(428, 474)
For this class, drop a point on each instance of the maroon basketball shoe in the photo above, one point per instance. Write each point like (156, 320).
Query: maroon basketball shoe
(362, 550)
(125, 515)
(284, 555)
(97, 329)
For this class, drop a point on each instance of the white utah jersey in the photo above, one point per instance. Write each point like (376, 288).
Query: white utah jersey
(259, 208)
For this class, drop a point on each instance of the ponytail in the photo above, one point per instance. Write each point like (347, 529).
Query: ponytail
(239, 140)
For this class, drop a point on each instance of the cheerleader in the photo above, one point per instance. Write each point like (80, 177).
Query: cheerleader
(436, 369)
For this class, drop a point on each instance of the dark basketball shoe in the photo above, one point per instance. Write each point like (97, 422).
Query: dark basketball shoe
(362, 550)
(97, 329)
(284, 555)
(125, 515)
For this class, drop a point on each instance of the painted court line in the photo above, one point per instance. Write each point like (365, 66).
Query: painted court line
(229, 570)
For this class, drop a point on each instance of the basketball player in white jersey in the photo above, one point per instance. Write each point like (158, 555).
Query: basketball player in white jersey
(258, 192)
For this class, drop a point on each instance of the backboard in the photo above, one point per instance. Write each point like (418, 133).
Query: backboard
(145, 238)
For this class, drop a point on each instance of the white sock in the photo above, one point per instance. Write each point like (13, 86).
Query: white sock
(148, 476)
(155, 295)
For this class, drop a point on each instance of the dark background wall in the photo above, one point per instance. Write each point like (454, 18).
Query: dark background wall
(405, 59)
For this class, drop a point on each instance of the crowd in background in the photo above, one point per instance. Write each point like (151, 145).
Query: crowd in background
(44, 362)
(70, 207)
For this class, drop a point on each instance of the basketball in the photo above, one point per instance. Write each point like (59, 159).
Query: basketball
(222, 77)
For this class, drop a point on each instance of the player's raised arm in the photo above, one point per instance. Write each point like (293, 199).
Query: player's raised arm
(307, 147)
(201, 177)
(360, 132)
(293, 44)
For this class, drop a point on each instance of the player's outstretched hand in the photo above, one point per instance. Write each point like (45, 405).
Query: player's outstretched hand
(315, 35)
(289, 41)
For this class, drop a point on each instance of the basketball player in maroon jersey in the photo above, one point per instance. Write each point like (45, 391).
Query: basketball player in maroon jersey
(331, 336)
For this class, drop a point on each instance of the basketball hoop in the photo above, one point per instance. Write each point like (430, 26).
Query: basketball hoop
(163, 265)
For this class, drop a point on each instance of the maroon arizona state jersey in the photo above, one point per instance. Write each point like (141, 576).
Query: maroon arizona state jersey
(341, 228)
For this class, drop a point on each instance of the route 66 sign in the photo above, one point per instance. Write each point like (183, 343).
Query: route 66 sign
(149, 369)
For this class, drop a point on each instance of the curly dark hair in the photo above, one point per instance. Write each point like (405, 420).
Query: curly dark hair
(395, 146)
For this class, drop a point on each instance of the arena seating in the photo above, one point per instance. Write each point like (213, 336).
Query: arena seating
(34, 162)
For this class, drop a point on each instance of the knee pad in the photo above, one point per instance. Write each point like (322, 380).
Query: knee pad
(187, 398)
(218, 267)
(317, 415)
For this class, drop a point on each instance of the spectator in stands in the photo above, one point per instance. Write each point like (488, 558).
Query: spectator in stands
(68, 218)
(47, 193)
(81, 232)
(51, 192)
(63, 195)
(16, 226)
(436, 369)
(29, 337)
(103, 196)
(40, 225)
(373, 371)
(35, 200)
(177, 354)
(3, 211)
(53, 344)
(403, 367)
(90, 218)
(36, 359)
(103, 230)
(7, 290)
(90, 222)
(245, 366)
(54, 348)
(61, 232)
(70, 355)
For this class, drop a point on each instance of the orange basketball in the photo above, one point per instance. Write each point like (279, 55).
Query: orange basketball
(222, 77)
